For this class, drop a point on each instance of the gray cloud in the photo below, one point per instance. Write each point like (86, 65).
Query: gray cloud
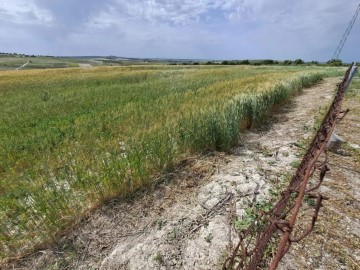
(73, 12)
(179, 28)
(23, 12)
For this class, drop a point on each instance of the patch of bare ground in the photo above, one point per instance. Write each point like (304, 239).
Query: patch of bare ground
(335, 242)
(82, 65)
(187, 221)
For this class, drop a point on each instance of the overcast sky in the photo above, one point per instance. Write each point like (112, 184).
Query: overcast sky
(202, 29)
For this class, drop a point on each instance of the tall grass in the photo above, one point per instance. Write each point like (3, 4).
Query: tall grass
(71, 139)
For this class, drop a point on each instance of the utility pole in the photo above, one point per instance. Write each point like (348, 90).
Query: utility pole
(346, 34)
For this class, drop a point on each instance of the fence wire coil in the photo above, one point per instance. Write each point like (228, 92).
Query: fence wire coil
(278, 226)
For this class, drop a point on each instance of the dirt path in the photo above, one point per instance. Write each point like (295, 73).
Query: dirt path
(187, 221)
(24, 65)
(82, 65)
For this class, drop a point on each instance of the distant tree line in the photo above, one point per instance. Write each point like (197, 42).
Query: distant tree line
(333, 62)
(2, 54)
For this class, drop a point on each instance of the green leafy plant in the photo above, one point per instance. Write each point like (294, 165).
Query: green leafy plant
(159, 258)
(310, 201)
(252, 214)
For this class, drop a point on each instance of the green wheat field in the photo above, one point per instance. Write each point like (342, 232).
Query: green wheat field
(71, 139)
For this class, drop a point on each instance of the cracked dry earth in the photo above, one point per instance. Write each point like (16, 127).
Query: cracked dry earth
(187, 221)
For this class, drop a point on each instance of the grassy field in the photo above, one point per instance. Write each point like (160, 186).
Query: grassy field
(12, 63)
(71, 139)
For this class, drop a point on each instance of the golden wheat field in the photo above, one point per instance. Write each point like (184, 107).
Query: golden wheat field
(72, 139)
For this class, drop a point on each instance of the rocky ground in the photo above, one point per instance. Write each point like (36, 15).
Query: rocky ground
(187, 221)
